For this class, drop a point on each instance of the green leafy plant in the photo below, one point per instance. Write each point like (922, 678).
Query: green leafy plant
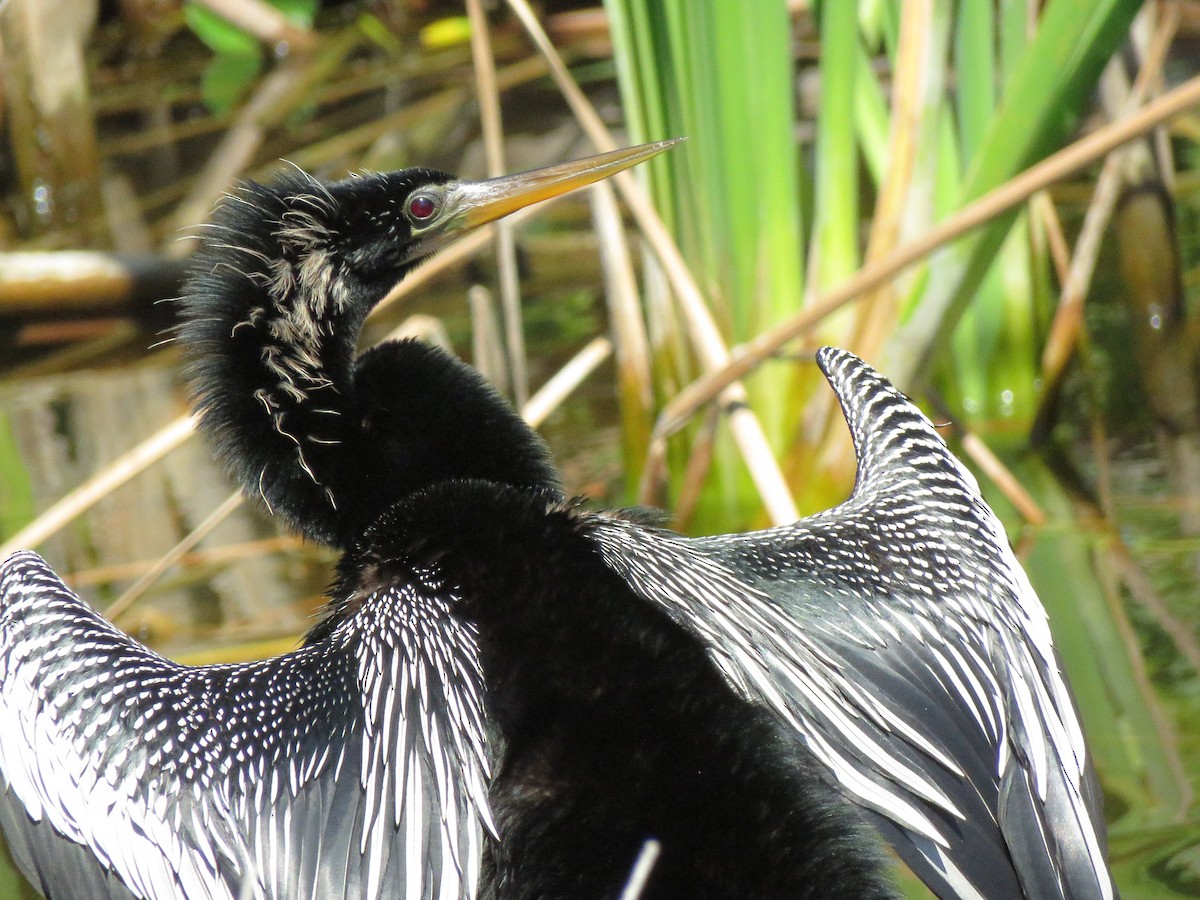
(238, 57)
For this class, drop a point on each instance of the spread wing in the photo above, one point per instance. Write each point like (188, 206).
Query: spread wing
(900, 638)
(334, 771)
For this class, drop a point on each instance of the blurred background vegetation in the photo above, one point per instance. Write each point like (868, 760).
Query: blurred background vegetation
(995, 203)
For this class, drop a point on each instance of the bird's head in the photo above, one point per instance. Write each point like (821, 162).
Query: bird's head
(272, 311)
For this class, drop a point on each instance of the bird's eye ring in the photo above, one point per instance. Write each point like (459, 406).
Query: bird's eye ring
(423, 207)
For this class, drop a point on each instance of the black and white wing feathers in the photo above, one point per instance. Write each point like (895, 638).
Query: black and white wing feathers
(901, 639)
(338, 770)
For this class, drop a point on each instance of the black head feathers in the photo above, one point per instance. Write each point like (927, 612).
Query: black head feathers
(271, 315)
(272, 312)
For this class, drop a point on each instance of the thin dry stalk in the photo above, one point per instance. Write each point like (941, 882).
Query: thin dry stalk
(1068, 319)
(100, 485)
(1098, 438)
(696, 471)
(563, 383)
(621, 291)
(918, 75)
(487, 347)
(990, 205)
(1045, 216)
(1002, 477)
(141, 142)
(635, 386)
(172, 556)
(215, 556)
(706, 337)
(488, 94)
(1141, 41)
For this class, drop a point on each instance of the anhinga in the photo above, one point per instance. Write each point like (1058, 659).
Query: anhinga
(511, 695)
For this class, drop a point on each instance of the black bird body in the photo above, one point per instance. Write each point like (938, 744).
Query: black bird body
(510, 695)
(539, 693)
(614, 723)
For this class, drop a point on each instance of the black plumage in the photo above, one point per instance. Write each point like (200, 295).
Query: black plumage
(615, 724)
(271, 317)
(511, 694)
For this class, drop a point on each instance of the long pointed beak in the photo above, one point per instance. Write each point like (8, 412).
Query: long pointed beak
(476, 203)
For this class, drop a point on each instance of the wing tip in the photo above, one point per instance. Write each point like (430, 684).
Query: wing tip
(19, 569)
(20, 559)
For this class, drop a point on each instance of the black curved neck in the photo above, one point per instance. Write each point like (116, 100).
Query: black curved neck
(271, 318)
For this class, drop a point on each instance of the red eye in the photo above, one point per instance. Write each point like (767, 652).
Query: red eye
(421, 207)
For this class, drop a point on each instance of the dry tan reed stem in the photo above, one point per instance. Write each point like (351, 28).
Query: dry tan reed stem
(172, 556)
(506, 243)
(560, 386)
(101, 484)
(706, 338)
(1005, 197)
